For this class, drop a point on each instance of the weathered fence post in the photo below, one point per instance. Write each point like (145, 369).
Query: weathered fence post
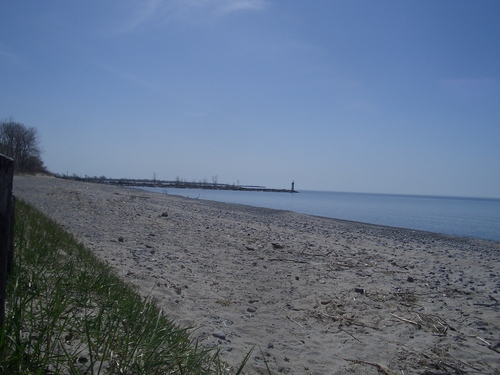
(6, 227)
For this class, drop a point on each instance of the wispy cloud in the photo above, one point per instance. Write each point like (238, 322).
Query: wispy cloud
(159, 12)
(134, 14)
(148, 10)
(229, 6)
(189, 9)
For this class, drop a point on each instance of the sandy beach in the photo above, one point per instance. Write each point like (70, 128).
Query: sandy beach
(311, 295)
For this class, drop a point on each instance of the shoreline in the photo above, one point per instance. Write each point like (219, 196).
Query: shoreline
(347, 220)
(316, 295)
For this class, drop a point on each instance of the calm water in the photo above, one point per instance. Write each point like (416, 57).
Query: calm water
(469, 217)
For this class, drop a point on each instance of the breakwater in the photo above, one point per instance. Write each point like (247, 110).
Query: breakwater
(176, 184)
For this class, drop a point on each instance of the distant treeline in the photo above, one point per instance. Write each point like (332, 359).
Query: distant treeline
(22, 144)
(179, 184)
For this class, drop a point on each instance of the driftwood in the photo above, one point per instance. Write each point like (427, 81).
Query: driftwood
(406, 320)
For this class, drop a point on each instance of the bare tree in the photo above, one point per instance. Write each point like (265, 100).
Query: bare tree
(21, 144)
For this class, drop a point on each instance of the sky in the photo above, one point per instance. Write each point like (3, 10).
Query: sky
(397, 97)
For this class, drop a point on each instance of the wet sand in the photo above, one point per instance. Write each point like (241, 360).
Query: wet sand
(311, 295)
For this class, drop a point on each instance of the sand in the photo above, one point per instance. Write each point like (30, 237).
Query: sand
(311, 295)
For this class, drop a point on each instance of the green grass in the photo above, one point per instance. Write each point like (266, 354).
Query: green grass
(68, 313)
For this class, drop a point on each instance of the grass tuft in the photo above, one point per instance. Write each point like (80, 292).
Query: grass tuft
(68, 313)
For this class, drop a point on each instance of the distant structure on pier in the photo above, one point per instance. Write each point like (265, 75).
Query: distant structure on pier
(293, 186)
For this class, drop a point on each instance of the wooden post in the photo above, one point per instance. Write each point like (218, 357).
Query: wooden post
(6, 227)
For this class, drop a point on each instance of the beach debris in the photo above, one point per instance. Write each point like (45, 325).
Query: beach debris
(495, 347)
(483, 340)
(406, 320)
(487, 304)
(343, 330)
(120, 239)
(410, 279)
(359, 290)
(164, 214)
(288, 260)
(341, 318)
(68, 337)
(127, 324)
(219, 334)
(276, 245)
(300, 325)
(381, 368)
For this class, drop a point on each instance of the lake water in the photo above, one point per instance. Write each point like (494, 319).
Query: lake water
(468, 217)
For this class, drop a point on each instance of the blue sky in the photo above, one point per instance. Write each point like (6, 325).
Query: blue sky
(353, 95)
